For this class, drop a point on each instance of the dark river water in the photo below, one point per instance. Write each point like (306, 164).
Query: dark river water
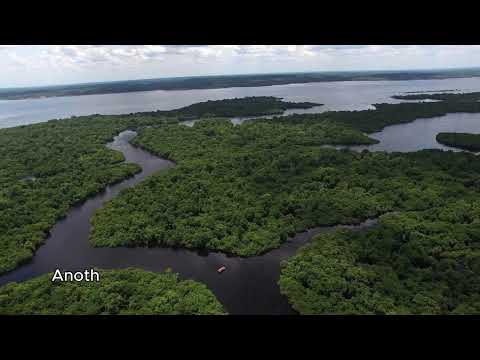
(248, 286)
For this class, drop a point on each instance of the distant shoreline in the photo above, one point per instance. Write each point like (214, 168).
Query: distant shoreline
(226, 81)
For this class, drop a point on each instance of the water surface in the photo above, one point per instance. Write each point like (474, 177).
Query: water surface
(248, 286)
(346, 95)
(421, 133)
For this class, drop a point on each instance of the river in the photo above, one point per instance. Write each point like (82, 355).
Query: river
(341, 95)
(248, 286)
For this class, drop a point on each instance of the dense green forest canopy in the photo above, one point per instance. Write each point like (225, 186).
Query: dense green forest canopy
(119, 292)
(247, 106)
(244, 189)
(235, 188)
(47, 168)
(390, 114)
(384, 114)
(460, 140)
(238, 189)
(416, 262)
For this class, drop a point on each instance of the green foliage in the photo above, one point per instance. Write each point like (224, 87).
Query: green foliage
(460, 140)
(247, 106)
(123, 292)
(47, 168)
(244, 189)
(390, 114)
(423, 262)
(234, 188)
(383, 115)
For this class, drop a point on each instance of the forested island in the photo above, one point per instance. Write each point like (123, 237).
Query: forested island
(226, 81)
(244, 189)
(247, 106)
(246, 197)
(460, 140)
(120, 292)
(234, 187)
(47, 168)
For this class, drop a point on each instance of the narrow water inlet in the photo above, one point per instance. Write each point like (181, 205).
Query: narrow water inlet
(248, 286)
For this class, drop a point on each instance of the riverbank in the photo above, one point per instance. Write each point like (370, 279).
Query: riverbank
(244, 188)
(68, 247)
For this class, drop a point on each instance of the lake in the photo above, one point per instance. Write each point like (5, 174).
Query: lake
(249, 286)
(421, 133)
(346, 95)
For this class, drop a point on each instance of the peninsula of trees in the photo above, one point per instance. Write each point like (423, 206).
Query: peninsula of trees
(244, 189)
(247, 106)
(47, 168)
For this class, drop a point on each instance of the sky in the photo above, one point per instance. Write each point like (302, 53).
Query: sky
(40, 65)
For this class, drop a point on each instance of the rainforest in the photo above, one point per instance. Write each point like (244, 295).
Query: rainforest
(121, 292)
(245, 190)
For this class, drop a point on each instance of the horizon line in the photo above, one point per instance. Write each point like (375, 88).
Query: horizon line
(240, 74)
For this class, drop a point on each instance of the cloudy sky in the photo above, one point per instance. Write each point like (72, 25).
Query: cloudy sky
(27, 65)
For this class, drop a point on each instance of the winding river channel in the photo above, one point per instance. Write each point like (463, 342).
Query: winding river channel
(248, 286)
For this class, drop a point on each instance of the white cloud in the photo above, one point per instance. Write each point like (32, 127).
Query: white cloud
(32, 65)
